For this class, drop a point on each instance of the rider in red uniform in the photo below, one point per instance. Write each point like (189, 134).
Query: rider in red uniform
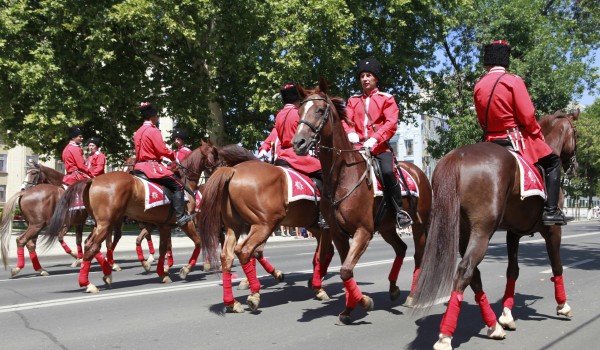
(72, 157)
(507, 117)
(96, 160)
(182, 151)
(150, 148)
(375, 128)
(270, 144)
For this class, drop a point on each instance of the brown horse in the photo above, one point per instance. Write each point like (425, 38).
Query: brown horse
(477, 191)
(348, 194)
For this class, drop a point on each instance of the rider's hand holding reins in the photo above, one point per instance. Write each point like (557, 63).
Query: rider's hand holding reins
(370, 143)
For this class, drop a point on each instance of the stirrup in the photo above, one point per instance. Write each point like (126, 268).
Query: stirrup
(90, 221)
(323, 225)
(182, 221)
(403, 220)
(553, 217)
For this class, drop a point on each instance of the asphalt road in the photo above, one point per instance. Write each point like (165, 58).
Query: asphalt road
(140, 313)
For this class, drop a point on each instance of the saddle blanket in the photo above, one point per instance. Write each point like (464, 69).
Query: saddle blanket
(412, 184)
(78, 203)
(531, 182)
(154, 195)
(300, 186)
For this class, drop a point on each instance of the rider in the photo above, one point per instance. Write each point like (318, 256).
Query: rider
(270, 144)
(375, 128)
(149, 149)
(96, 159)
(508, 118)
(182, 151)
(72, 157)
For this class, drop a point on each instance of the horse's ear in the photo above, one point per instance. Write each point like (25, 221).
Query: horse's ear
(301, 91)
(323, 85)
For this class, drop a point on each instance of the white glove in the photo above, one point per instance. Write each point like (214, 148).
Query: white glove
(369, 143)
(262, 154)
(353, 137)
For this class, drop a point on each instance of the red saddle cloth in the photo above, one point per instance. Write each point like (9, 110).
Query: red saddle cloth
(78, 203)
(530, 180)
(154, 195)
(300, 186)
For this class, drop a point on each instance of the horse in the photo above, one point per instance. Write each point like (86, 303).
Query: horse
(477, 191)
(348, 194)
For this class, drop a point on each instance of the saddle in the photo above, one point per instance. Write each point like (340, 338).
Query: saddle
(531, 177)
(156, 194)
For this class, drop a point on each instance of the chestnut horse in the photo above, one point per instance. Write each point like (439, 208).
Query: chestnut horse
(477, 191)
(349, 194)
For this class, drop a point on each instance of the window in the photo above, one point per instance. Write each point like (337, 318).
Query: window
(2, 193)
(409, 147)
(3, 163)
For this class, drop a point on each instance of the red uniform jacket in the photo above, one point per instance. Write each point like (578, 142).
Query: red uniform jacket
(95, 163)
(286, 124)
(383, 111)
(510, 108)
(75, 167)
(149, 149)
(182, 152)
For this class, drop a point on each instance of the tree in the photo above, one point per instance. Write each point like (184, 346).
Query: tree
(588, 150)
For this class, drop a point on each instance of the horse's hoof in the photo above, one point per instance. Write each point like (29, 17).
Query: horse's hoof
(321, 294)
(166, 268)
(184, 272)
(107, 279)
(394, 292)
(235, 308)
(506, 320)
(206, 266)
(244, 284)
(367, 303)
(43, 273)
(91, 289)
(254, 301)
(15, 271)
(76, 263)
(444, 343)
(150, 259)
(279, 276)
(409, 301)
(166, 279)
(564, 310)
(146, 265)
(116, 267)
(496, 332)
(344, 319)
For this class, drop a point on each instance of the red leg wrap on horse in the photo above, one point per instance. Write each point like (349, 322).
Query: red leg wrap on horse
(448, 325)
(170, 261)
(84, 273)
(395, 271)
(194, 257)
(151, 246)
(253, 260)
(106, 270)
(160, 266)
(35, 261)
(559, 290)
(486, 310)
(110, 256)
(266, 265)
(65, 247)
(227, 289)
(416, 273)
(79, 252)
(250, 272)
(316, 279)
(20, 258)
(353, 293)
(140, 252)
(508, 300)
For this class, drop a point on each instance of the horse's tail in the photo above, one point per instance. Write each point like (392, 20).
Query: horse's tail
(6, 226)
(441, 250)
(62, 213)
(215, 191)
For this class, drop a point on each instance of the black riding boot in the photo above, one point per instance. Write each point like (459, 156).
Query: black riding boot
(179, 205)
(402, 218)
(552, 213)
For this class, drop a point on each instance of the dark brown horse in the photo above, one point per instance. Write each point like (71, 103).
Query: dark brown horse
(477, 191)
(348, 194)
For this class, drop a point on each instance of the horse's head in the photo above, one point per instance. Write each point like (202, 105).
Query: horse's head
(314, 111)
(32, 176)
(561, 135)
(203, 158)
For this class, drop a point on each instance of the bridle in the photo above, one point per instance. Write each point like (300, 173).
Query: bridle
(572, 161)
(34, 168)
(315, 139)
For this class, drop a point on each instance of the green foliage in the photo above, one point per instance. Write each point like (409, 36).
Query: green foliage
(586, 181)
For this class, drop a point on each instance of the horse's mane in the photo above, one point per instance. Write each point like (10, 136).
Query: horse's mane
(338, 102)
(235, 154)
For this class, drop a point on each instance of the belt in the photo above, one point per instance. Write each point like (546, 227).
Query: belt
(147, 161)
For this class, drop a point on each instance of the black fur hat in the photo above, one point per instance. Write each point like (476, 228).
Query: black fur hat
(74, 132)
(289, 93)
(179, 133)
(370, 65)
(94, 140)
(148, 110)
(497, 54)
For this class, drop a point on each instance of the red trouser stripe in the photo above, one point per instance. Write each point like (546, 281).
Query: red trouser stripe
(559, 290)
(20, 258)
(194, 257)
(35, 261)
(266, 265)
(413, 287)
(84, 273)
(140, 252)
(106, 270)
(353, 293)
(65, 247)
(508, 300)
(151, 246)
(395, 271)
(448, 325)
(227, 289)
(250, 272)
(486, 310)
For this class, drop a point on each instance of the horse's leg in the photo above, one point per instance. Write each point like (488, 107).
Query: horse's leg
(35, 262)
(22, 241)
(231, 305)
(190, 231)
(419, 233)
(359, 244)
(553, 239)
(165, 234)
(495, 330)
(389, 235)
(506, 320)
(61, 240)
(144, 232)
(258, 255)
(321, 260)
(78, 243)
(111, 245)
(92, 250)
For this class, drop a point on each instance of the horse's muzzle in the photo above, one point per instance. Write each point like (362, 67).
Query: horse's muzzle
(301, 145)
